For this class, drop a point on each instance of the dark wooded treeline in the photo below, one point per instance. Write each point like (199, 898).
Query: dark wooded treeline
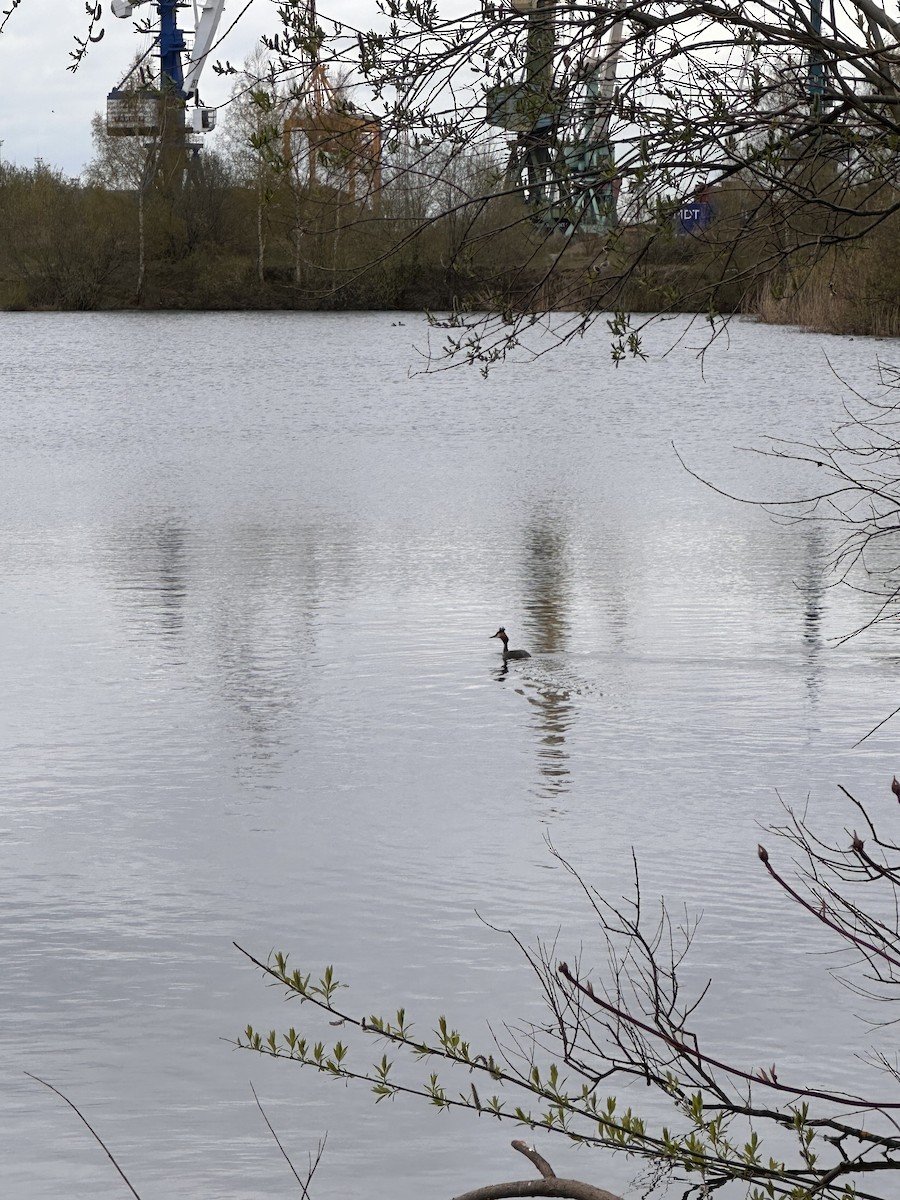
(221, 242)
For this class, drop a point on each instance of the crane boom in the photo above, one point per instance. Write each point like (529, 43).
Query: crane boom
(604, 71)
(562, 157)
(203, 42)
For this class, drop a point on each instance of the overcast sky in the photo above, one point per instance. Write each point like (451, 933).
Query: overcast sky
(46, 110)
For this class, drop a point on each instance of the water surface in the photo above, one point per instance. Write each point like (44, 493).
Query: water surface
(251, 567)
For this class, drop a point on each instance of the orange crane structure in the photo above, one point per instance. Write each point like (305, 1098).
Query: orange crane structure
(330, 145)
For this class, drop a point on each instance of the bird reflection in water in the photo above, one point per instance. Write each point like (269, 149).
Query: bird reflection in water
(546, 601)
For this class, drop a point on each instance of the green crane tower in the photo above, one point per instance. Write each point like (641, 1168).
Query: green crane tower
(561, 157)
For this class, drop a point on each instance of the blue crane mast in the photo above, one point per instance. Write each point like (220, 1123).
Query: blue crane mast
(144, 111)
(171, 46)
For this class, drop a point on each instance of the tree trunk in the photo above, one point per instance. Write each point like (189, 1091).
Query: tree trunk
(260, 233)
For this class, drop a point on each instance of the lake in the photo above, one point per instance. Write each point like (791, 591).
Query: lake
(252, 564)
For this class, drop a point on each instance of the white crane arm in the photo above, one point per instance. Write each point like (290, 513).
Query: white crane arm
(604, 71)
(203, 42)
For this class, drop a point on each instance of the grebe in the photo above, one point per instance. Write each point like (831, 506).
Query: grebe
(507, 653)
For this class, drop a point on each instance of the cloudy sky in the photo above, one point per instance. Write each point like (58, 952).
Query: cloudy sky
(46, 110)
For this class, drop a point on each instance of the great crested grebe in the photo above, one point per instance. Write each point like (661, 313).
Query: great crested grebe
(507, 653)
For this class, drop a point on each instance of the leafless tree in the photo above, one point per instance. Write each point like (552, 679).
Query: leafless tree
(848, 481)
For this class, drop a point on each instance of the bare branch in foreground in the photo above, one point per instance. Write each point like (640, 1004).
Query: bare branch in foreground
(532, 1155)
(313, 1162)
(549, 1185)
(96, 1136)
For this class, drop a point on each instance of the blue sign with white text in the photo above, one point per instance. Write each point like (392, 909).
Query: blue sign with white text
(694, 216)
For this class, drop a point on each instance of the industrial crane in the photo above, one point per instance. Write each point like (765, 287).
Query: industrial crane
(331, 146)
(561, 154)
(592, 185)
(140, 112)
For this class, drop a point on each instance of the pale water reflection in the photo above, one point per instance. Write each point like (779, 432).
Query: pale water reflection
(247, 600)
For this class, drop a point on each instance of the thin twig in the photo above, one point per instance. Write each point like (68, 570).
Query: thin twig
(78, 1113)
(304, 1187)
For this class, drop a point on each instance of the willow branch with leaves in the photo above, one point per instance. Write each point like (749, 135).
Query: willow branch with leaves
(628, 1018)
